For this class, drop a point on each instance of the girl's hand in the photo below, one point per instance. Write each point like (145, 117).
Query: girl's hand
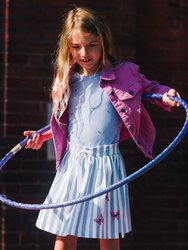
(34, 143)
(168, 101)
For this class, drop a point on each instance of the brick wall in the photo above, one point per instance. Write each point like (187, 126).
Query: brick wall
(160, 196)
(152, 33)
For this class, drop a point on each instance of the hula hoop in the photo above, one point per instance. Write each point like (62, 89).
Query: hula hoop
(128, 179)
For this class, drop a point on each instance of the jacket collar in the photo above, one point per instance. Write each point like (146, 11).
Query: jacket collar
(107, 73)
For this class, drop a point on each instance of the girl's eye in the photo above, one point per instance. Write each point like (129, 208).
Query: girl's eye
(92, 45)
(75, 46)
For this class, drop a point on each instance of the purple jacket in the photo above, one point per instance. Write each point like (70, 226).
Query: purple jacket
(124, 86)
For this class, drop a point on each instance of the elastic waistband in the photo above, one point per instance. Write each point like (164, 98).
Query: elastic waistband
(100, 150)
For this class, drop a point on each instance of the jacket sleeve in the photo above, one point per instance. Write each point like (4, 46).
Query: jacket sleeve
(151, 87)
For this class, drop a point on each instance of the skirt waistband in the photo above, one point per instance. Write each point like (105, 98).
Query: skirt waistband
(100, 150)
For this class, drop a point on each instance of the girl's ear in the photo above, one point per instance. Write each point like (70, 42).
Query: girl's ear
(72, 61)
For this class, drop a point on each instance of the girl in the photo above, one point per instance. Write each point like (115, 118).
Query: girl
(96, 104)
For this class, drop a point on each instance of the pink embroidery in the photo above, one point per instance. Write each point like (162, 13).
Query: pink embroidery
(115, 215)
(107, 198)
(100, 219)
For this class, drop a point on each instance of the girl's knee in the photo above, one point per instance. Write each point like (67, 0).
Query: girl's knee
(68, 242)
(109, 244)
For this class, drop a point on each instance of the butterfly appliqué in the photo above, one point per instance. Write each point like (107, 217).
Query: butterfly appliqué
(99, 220)
(115, 215)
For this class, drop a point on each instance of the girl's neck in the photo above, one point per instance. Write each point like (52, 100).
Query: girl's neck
(85, 72)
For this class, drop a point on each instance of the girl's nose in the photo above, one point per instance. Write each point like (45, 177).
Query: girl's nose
(83, 51)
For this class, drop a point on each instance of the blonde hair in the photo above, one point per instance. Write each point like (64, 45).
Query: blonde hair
(88, 21)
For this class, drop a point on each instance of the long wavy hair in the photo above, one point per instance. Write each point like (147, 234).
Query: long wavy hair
(87, 21)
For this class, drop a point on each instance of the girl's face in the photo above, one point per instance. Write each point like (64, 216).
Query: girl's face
(86, 50)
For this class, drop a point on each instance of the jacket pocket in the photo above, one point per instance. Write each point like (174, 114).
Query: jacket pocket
(129, 92)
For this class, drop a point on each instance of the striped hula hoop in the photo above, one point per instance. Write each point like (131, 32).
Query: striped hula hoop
(128, 179)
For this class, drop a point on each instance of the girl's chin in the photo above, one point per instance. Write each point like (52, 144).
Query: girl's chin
(88, 66)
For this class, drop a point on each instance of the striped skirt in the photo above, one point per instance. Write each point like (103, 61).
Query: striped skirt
(85, 171)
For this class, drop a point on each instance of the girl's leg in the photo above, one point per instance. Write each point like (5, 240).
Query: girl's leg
(109, 244)
(66, 243)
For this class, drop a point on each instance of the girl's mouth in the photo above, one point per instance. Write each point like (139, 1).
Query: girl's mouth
(86, 60)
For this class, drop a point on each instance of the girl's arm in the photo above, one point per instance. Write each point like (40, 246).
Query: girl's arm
(38, 139)
(149, 86)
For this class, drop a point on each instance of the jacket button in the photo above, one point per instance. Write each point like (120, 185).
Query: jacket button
(122, 110)
(131, 92)
(112, 93)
